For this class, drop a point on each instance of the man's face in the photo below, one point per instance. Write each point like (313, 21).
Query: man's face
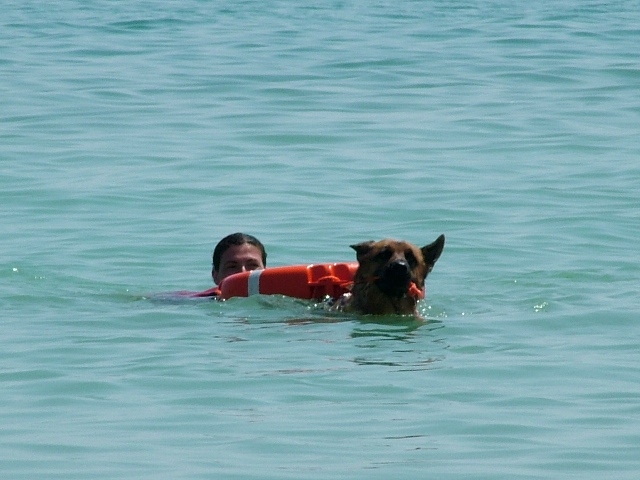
(236, 259)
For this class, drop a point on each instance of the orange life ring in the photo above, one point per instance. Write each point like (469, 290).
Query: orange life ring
(311, 282)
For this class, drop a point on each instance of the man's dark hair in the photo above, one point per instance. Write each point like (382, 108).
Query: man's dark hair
(236, 239)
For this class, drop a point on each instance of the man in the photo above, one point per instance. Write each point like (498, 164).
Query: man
(238, 252)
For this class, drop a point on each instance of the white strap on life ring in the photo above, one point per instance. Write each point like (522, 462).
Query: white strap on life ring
(253, 286)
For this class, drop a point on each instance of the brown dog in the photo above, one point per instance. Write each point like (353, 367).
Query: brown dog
(390, 277)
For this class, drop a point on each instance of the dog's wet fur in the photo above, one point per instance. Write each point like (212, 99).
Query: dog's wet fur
(390, 277)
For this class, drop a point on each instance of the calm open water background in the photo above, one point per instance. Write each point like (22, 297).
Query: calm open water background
(133, 135)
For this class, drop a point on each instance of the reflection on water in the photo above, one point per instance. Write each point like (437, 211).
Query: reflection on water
(419, 347)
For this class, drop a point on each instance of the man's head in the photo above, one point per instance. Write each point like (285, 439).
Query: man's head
(236, 253)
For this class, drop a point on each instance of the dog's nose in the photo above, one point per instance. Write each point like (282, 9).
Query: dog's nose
(399, 270)
(394, 279)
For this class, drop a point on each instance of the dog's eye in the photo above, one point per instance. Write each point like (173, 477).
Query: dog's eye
(385, 254)
(411, 258)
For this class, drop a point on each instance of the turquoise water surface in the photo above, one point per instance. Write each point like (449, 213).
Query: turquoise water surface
(134, 135)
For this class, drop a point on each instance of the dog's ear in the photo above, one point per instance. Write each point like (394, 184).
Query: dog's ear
(362, 248)
(432, 252)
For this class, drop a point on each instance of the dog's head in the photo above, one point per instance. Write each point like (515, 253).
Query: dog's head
(397, 268)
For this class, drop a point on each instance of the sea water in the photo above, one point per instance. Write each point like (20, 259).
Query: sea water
(134, 135)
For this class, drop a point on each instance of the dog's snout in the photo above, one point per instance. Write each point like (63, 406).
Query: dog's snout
(395, 278)
(398, 270)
